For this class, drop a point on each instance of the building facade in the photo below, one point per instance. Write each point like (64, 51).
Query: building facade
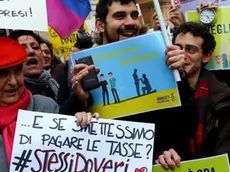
(147, 9)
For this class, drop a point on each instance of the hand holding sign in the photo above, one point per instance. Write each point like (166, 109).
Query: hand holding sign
(84, 119)
(211, 164)
(79, 72)
(60, 145)
(207, 5)
(156, 23)
(174, 16)
(175, 57)
(169, 159)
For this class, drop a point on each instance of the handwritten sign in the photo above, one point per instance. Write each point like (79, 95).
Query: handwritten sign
(23, 14)
(50, 142)
(212, 164)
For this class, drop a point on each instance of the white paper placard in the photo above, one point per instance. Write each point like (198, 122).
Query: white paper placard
(45, 142)
(23, 14)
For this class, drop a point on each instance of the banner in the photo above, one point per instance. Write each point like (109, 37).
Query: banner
(50, 142)
(134, 76)
(221, 31)
(23, 14)
(212, 164)
(63, 47)
(190, 5)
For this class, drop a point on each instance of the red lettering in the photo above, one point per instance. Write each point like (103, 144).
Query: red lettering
(49, 160)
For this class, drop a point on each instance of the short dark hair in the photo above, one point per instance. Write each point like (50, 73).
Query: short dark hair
(3, 32)
(18, 33)
(102, 8)
(110, 73)
(48, 44)
(197, 30)
(84, 40)
(102, 75)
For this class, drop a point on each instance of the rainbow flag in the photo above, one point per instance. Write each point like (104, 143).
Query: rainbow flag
(66, 16)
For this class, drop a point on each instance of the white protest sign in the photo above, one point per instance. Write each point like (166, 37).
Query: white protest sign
(49, 142)
(23, 14)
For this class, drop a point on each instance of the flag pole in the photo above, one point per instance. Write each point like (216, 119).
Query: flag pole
(167, 40)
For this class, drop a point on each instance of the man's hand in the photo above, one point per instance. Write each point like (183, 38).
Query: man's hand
(79, 72)
(174, 16)
(156, 23)
(84, 119)
(175, 57)
(169, 159)
(207, 5)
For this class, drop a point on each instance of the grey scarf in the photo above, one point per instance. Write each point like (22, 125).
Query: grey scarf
(45, 79)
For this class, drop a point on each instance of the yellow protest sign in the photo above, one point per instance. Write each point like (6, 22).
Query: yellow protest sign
(63, 47)
(221, 31)
(212, 164)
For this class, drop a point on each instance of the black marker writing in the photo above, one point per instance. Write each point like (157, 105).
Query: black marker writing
(90, 128)
(124, 149)
(58, 125)
(134, 133)
(24, 139)
(16, 13)
(59, 142)
(36, 124)
(91, 145)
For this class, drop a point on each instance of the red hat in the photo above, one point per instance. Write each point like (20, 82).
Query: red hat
(11, 53)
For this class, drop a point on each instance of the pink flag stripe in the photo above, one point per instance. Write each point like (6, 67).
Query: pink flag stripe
(61, 19)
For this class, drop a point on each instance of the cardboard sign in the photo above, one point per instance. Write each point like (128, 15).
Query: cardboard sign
(212, 164)
(23, 14)
(221, 32)
(50, 142)
(134, 77)
(189, 5)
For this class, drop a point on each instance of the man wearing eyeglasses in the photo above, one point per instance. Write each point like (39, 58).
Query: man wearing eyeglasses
(212, 97)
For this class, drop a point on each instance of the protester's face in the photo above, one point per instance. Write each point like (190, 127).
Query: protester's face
(194, 57)
(46, 55)
(121, 22)
(34, 65)
(11, 85)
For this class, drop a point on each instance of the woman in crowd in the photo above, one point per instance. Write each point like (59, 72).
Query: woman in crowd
(14, 96)
(51, 63)
(37, 80)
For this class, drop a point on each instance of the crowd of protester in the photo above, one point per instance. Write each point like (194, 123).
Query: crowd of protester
(33, 78)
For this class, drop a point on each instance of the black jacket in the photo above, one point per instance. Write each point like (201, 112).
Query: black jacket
(217, 122)
(175, 126)
(67, 100)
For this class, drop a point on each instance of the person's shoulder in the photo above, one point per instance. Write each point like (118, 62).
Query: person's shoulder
(45, 104)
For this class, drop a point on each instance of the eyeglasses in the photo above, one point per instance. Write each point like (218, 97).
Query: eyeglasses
(191, 49)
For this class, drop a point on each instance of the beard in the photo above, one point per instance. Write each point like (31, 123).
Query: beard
(120, 31)
(108, 38)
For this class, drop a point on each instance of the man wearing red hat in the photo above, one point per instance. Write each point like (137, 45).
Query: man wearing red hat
(14, 95)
